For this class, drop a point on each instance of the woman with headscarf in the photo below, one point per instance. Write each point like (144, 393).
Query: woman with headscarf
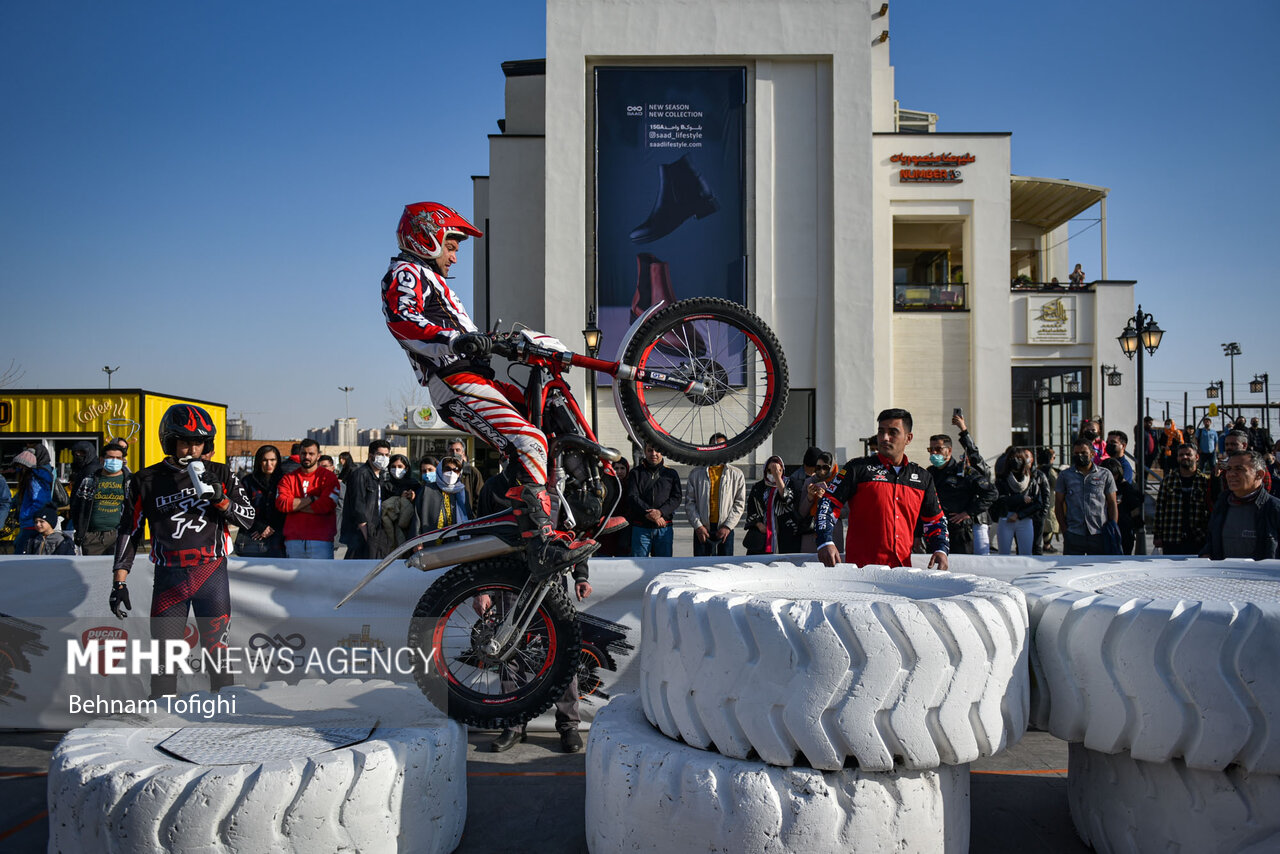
(266, 537)
(1022, 496)
(444, 502)
(771, 522)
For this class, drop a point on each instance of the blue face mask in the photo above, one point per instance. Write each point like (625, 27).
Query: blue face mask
(112, 465)
(430, 477)
(937, 460)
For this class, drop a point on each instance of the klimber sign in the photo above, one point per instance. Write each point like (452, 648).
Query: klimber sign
(1051, 320)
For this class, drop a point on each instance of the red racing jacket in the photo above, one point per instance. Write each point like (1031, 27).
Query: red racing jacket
(884, 508)
(423, 314)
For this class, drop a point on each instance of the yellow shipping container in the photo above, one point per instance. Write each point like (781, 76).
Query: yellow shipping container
(62, 417)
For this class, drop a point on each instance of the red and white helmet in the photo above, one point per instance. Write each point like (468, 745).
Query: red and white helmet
(425, 226)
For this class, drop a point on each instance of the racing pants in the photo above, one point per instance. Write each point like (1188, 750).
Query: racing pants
(487, 409)
(204, 589)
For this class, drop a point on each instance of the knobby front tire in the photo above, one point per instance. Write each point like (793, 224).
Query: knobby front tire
(737, 359)
(481, 693)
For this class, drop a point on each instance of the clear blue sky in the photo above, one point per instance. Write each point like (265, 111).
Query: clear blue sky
(206, 193)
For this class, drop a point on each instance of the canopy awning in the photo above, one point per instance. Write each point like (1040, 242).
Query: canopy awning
(1050, 202)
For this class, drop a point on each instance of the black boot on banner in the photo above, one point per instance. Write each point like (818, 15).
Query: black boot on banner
(547, 550)
(682, 193)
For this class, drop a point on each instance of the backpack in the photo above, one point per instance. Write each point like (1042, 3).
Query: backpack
(58, 495)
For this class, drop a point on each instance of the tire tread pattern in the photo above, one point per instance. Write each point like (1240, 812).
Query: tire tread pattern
(1160, 678)
(645, 792)
(890, 682)
(738, 446)
(111, 789)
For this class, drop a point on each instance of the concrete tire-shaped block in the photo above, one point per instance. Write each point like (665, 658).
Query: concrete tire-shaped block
(111, 789)
(646, 792)
(808, 664)
(1164, 659)
(1122, 805)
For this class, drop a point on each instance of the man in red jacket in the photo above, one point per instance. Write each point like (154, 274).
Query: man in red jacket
(885, 496)
(306, 497)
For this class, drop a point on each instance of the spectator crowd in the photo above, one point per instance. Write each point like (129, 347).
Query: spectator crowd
(306, 502)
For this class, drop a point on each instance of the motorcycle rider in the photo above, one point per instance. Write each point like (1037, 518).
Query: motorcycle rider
(448, 353)
(189, 539)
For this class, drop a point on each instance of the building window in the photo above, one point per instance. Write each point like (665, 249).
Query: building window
(928, 266)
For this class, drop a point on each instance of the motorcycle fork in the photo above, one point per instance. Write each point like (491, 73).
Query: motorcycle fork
(502, 645)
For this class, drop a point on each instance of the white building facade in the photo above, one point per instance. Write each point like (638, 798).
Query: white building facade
(882, 258)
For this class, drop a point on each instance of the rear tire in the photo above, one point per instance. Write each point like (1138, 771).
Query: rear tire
(460, 682)
(737, 358)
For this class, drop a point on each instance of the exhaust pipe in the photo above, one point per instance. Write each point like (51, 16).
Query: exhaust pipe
(461, 551)
(434, 557)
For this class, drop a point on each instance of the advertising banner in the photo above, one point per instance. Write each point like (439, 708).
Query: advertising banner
(669, 189)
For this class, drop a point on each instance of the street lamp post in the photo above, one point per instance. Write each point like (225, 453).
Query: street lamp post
(1214, 392)
(109, 371)
(1141, 333)
(346, 390)
(591, 335)
(1231, 350)
(1262, 383)
(1110, 376)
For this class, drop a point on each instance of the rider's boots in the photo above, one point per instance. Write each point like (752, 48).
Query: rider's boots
(548, 551)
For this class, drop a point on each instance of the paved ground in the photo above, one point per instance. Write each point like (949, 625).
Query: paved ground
(530, 798)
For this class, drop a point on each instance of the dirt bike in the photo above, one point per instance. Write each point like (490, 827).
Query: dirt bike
(506, 645)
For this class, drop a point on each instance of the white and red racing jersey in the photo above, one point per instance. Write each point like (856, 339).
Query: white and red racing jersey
(423, 314)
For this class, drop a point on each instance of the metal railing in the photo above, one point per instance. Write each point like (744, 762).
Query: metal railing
(929, 296)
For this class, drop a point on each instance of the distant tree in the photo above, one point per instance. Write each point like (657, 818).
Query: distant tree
(10, 375)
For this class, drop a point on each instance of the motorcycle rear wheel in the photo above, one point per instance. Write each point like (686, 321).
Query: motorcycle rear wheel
(460, 681)
(739, 363)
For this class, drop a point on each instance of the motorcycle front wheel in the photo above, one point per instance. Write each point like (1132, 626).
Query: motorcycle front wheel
(451, 624)
(739, 370)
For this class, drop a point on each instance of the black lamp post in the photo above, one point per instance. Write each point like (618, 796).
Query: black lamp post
(1141, 333)
(1231, 350)
(1214, 392)
(1110, 376)
(592, 336)
(1262, 383)
(109, 371)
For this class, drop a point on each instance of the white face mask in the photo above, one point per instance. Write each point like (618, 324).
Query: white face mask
(448, 478)
(770, 480)
(380, 461)
(398, 471)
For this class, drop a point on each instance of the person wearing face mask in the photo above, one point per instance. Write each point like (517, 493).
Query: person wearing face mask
(965, 492)
(444, 502)
(1183, 507)
(770, 520)
(99, 501)
(427, 469)
(400, 479)
(1085, 501)
(362, 505)
(1117, 448)
(1023, 495)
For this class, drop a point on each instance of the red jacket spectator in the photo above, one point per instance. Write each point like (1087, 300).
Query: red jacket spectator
(319, 520)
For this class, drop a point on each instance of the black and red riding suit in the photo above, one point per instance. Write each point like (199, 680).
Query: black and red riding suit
(189, 547)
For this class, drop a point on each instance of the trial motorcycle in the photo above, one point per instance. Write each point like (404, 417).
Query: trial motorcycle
(503, 646)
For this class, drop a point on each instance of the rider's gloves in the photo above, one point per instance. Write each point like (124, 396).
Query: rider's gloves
(219, 494)
(472, 345)
(119, 595)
